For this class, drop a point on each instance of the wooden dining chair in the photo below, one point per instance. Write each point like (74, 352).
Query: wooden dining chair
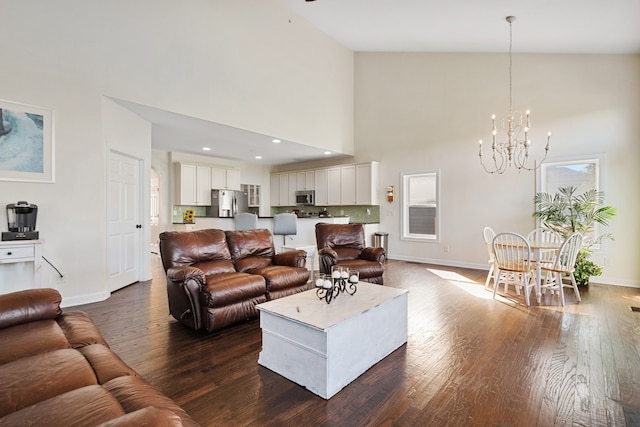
(563, 264)
(545, 235)
(488, 234)
(513, 263)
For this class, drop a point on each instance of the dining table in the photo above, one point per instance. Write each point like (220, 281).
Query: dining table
(538, 247)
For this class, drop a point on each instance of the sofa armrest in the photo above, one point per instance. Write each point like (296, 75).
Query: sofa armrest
(181, 274)
(327, 258)
(29, 306)
(327, 251)
(296, 258)
(373, 254)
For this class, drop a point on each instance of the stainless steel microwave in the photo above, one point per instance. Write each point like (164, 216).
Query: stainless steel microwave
(306, 198)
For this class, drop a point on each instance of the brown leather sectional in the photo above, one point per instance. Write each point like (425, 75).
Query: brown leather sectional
(57, 370)
(216, 278)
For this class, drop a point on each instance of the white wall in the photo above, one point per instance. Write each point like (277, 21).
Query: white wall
(248, 64)
(422, 112)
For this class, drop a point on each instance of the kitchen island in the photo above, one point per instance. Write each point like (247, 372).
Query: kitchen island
(306, 235)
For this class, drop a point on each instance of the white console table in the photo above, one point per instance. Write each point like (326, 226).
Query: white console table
(23, 251)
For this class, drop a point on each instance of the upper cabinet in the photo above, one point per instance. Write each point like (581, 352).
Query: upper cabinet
(321, 183)
(348, 185)
(351, 184)
(193, 184)
(225, 179)
(305, 180)
(333, 186)
(367, 184)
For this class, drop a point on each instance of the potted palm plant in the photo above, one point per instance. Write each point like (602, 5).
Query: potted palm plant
(568, 211)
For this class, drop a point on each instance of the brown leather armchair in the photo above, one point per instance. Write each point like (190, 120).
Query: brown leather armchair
(344, 245)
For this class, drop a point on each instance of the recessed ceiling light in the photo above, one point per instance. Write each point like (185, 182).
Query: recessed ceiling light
(259, 157)
(327, 152)
(276, 141)
(206, 148)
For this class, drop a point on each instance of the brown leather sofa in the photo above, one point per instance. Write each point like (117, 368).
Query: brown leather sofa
(216, 278)
(57, 370)
(344, 245)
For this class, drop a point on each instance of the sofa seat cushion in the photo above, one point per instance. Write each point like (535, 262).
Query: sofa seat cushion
(29, 339)
(280, 277)
(134, 393)
(229, 288)
(105, 363)
(85, 406)
(49, 374)
(367, 269)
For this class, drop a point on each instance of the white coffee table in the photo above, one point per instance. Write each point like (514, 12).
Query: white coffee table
(324, 347)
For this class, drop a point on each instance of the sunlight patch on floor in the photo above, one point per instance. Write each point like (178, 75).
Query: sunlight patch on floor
(468, 285)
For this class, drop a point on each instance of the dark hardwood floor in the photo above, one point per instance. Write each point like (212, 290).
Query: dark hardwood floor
(469, 360)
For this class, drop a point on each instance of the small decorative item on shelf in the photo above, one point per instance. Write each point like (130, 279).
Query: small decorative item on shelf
(329, 286)
(187, 216)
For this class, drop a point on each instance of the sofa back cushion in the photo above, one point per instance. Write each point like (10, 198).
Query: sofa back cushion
(29, 306)
(205, 249)
(346, 239)
(251, 248)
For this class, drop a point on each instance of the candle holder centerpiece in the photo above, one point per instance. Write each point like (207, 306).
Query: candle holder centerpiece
(329, 286)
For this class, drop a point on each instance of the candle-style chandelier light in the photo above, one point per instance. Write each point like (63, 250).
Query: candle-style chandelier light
(514, 132)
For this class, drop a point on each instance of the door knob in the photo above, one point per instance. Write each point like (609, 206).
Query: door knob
(138, 225)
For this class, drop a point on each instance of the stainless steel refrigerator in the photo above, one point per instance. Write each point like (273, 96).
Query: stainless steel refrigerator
(227, 203)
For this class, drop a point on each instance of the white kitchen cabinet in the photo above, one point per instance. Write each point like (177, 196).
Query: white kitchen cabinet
(203, 185)
(305, 180)
(253, 194)
(348, 185)
(193, 185)
(293, 178)
(233, 179)
(274, 189)
(321, 184)
(367, 184)
(284, 189)
(185, 184)
(279, 189)
(333, 186)
(225, 179)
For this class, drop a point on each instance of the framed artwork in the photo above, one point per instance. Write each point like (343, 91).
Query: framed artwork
(26, 143)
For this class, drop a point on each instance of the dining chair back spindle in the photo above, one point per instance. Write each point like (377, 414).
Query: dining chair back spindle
(488, 234)
(563, 264)
(513, 263)
(544, 235)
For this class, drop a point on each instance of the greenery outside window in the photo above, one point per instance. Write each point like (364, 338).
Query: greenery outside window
(420, 206)
(582, 173)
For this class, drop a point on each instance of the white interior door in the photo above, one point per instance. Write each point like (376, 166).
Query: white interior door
(125, 227)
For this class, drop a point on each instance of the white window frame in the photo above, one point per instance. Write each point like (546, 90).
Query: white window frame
(404, 208)
(542, 184)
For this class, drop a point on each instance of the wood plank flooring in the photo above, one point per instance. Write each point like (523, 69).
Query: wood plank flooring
(469, 360)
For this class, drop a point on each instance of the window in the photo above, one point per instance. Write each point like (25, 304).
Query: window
(420, 206)
(582, 173)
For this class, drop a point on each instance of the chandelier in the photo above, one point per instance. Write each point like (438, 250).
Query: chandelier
(514, 128)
